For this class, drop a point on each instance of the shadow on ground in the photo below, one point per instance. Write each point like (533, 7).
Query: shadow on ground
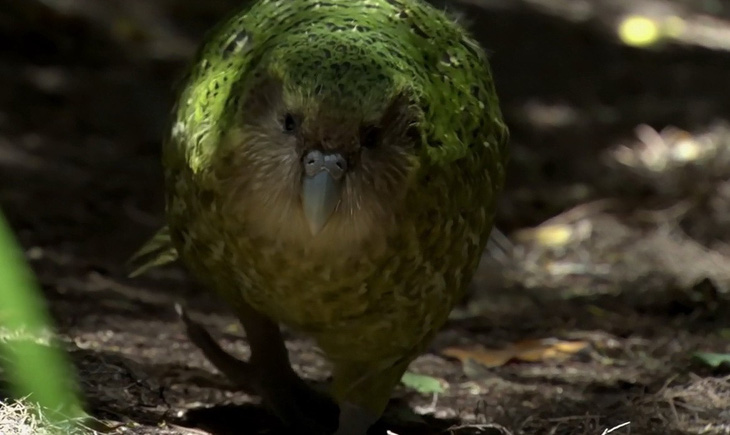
(85, 102)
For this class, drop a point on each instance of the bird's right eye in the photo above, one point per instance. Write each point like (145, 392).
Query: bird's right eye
(290, 123)
(370, 136)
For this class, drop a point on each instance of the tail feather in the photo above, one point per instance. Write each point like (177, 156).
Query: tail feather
(158, 251)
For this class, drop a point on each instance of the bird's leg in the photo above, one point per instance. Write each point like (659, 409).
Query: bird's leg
(279, 386)
(268, 373)
(239, 372)
(363, 390)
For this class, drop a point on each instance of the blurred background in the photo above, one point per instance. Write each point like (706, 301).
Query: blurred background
(603, 300)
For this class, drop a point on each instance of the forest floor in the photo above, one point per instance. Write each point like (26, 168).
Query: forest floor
(613, 248)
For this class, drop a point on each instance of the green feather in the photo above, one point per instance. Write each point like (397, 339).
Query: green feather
(158, 251)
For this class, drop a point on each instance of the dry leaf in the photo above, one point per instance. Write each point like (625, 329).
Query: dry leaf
(486, 357)
(556, 235)
(526, 350)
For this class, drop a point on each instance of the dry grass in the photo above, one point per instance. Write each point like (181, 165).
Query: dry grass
(24, 418)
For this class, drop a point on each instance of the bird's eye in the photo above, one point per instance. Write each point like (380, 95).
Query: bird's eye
(413, 133)
(290, 123)
(370, 136)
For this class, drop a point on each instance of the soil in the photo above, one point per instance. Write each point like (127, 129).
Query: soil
(643, 276)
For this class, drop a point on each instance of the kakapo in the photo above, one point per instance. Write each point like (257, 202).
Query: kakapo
(332, 166)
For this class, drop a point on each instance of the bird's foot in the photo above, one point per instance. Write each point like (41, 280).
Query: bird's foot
(298, 405)
(354, 420)
(286, 395)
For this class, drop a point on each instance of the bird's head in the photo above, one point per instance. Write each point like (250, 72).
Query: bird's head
(323, 149)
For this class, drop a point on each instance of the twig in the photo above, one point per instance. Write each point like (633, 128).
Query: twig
(608, 431)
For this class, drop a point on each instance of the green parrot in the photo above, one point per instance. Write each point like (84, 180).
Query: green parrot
(332, 166)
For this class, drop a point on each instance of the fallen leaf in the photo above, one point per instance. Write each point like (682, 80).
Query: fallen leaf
(549, 235)
(526, 350)
(555, 235)
(423, 384)
(486, 357)
(713, 360)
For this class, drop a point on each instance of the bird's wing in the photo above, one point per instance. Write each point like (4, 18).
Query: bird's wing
(158, 251)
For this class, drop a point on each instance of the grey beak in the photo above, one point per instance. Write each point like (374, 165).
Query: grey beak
(321, 187)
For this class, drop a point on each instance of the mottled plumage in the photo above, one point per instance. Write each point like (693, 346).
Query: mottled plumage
(406, 97)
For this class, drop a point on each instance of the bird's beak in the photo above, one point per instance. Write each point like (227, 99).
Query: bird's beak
(321, 187)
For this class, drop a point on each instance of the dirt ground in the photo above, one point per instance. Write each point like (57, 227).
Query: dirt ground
(635, 261)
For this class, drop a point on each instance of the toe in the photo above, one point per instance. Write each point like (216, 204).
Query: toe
(298, 405)
(354, 420)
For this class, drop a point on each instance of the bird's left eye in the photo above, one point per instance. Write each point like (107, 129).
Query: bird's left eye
(290, 123)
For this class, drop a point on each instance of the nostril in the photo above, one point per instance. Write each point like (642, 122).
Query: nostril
(340, 163)
(313, 162)
(336, 164)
